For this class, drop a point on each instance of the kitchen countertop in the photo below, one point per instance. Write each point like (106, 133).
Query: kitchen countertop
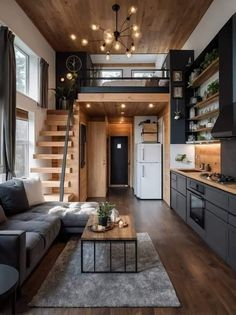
(230, 188)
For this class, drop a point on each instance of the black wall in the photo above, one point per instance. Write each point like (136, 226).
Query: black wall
(177, 60)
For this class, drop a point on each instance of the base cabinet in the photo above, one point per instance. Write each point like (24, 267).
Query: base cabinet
(231, 259)
(178, 203)
(216, 234)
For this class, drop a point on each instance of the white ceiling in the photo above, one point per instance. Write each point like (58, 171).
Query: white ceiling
(157, 59)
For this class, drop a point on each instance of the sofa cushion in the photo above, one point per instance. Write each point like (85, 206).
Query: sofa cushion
(34, 191)
(46, 226)
(34, 248)
(13, 197)
(3, 218)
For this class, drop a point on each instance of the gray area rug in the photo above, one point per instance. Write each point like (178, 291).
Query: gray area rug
(65, 286)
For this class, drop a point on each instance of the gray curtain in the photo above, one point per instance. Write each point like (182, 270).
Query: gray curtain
(43, 84)
(8, 98)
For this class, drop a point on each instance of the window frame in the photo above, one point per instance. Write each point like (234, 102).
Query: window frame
(27, 69)
(24, 116)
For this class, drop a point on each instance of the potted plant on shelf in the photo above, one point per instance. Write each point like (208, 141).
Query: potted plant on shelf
(103, 212)
(213, 88)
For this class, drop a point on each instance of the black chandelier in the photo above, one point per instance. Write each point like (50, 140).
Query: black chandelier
(114, 39)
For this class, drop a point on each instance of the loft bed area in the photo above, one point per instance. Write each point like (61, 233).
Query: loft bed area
(131, 81)
(142, 73)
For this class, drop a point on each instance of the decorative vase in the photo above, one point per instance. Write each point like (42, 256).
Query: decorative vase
(102, 221)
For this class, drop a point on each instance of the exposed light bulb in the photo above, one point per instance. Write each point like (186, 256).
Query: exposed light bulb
(73, 36)
(62, 79)
(122, 113)
(151, 105)
(102, 47)
(69, 75)
(128, 53)
(133, 47)
(84, 42)
(95, 27)
(108, 56)
(132, 10)
(108, 41)
(136, 34)
(88, 105)
(122, 105)
(135, 27)
(117, 45)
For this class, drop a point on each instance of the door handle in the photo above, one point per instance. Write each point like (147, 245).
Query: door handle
(143, 171)
(143, 154)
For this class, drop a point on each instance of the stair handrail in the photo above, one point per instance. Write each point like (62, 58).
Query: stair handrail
(64, 160)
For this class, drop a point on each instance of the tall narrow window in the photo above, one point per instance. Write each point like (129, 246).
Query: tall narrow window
(22, 71)
(22, 144)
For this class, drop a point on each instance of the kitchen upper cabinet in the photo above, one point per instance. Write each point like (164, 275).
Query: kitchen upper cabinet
(216, 234)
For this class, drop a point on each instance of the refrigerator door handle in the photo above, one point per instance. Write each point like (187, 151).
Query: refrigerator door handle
(143, 171)
(143, 154)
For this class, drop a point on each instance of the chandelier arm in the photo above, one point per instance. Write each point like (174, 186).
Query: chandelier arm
(123, 44)
(124, 22)
(127, 28)
(125, 35)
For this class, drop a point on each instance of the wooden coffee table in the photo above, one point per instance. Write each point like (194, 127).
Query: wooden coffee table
(116, 235)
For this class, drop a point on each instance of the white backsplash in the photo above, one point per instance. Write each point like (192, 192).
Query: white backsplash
(187, 149)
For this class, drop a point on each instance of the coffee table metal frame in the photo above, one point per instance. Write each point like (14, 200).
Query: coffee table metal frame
(124, 241)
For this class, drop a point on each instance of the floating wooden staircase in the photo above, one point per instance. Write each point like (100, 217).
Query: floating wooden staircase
(50, 148)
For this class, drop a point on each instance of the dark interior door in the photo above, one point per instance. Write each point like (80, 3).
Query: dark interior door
(119, 160)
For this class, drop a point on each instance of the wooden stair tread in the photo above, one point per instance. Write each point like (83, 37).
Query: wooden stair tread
(56, 133)
(55, 122)
(56, 197)
(57, 112)
(55, 183)
(49, 170)
(46, 156)
(53, 144)
(60, 117)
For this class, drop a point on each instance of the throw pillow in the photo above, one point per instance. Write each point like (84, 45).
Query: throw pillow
(3, 218)
(13, 197)
(34, 191)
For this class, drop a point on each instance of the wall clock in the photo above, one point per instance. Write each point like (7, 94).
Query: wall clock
(73, 63)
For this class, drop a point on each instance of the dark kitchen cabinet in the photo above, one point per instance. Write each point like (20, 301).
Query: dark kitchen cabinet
(178, 194)
(216, 234)
(231, 259)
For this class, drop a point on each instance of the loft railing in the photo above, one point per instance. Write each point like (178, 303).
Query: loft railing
(64, 160)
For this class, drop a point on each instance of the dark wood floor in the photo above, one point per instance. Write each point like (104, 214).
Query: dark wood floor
(203, 282)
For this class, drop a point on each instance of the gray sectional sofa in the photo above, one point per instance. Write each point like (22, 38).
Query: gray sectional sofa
(26, 236)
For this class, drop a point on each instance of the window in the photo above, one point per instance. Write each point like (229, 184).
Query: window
(22, 144)
(27, 70)
(110, 73)
(143, 73)
(22, 71)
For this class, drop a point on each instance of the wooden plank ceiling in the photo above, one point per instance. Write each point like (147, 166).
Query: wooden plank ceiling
(114, 110)
(164, 24)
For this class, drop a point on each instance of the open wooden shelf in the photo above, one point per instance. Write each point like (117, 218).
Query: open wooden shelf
(211, 113)
(206, 74)
(203, 141)
(201, 130)
(208, 101)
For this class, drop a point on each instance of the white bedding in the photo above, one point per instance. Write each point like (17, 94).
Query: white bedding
(124, 82)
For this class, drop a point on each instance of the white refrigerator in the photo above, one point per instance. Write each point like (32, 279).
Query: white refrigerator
(149, 171)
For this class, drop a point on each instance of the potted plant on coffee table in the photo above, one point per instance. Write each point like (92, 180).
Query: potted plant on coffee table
(103, 212)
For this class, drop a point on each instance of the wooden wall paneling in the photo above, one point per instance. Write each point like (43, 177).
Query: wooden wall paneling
(83, 176)
(209, 154)
(165, 113)
(97, 159)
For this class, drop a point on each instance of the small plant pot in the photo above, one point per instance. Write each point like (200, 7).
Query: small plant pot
(102, 221)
